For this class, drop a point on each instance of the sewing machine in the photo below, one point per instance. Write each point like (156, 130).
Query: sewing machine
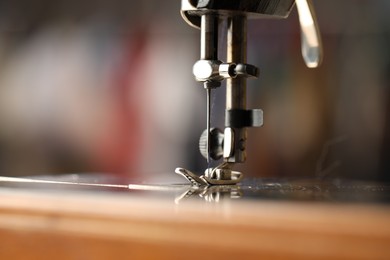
(98, 216)
(208, 16)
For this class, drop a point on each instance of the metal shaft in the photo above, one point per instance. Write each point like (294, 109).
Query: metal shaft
(236, 87)
(209, 37)
(209, 51)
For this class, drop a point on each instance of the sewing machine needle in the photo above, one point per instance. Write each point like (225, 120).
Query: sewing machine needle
(208, 123)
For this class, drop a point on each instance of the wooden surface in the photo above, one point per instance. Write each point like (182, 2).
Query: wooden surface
(75, 225)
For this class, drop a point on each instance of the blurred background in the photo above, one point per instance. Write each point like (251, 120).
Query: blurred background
(107, 86)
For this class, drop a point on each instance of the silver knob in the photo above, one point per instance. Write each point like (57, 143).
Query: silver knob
(216, 143)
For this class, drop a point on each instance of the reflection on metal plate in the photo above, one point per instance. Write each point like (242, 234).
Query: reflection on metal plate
(259, 189)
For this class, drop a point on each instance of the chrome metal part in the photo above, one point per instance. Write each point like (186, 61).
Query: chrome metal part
(310, 34)
(228, 70)
(212, 194)
(247, 70)
(215, 70)
(221, 175)
(216, 144)
(236, 87)
(205, 70)
(228, 142)
(209, 56)
(206, 16)
(191, 10)
(209, 37)
(194, 179)
(210, 70)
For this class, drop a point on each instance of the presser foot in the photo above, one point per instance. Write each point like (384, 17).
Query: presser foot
(212, 176)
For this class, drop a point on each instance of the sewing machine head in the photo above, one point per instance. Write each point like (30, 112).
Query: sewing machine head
(207, 15)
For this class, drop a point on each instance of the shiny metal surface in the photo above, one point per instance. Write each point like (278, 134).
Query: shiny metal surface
(207, 15)
(236, 87)
(310, 190)
(192, 10)
(216, 143)
(310, 34)
(208, 55)
(211, 71)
